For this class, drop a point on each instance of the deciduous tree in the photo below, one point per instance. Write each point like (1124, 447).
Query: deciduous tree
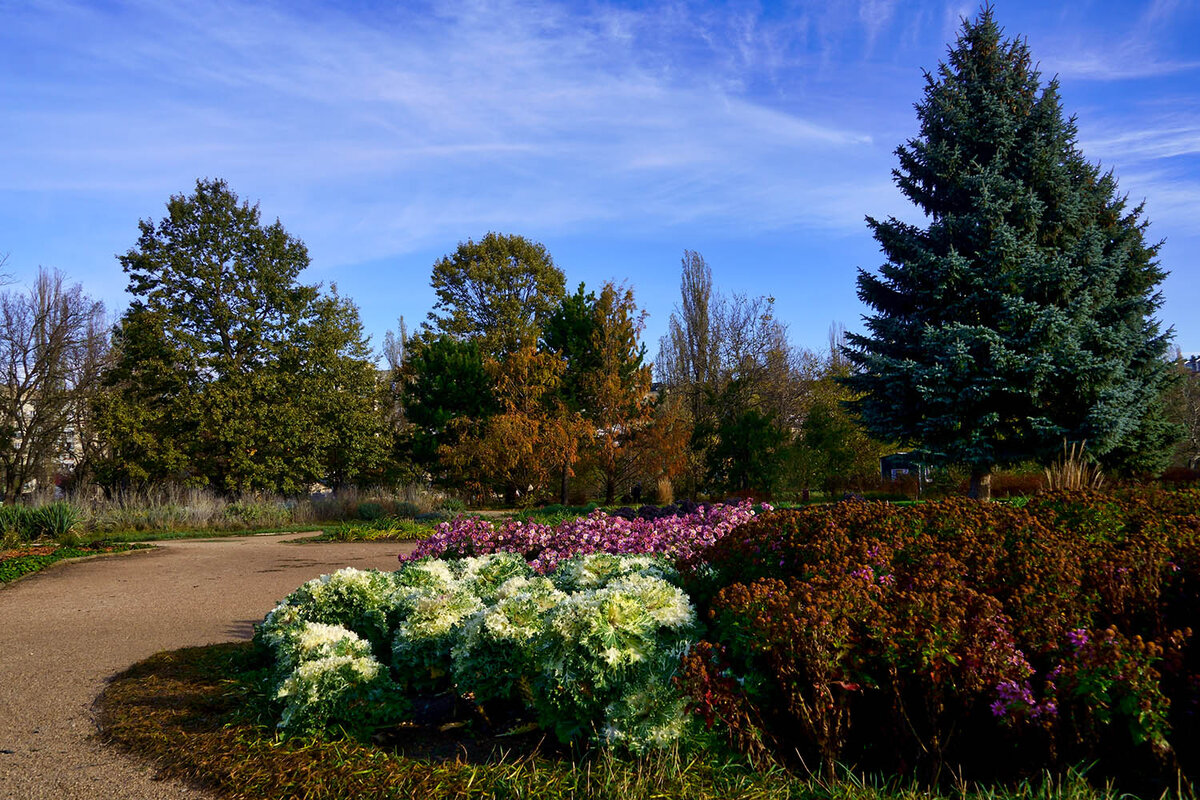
(53, 343)
(229, 371)
(520, 448)
(498, 291)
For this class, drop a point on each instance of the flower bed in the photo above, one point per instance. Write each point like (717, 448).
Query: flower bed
(984, 637)
(589, 649)
(678, 536)
(21, 561)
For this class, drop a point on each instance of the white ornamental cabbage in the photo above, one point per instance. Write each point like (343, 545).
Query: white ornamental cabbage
(603, 647)
(429, 624)
(362, 600)
(484, 575)
(353, 692)
(493, 657)
(597, 570)
(310, 641)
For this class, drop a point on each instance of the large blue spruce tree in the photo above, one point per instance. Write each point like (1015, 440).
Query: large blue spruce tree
(1023, 313)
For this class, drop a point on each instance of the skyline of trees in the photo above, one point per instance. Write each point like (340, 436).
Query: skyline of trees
(1021, 315)
(825, 446)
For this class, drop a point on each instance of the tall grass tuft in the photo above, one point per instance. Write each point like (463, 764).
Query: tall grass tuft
(1073, 472)
(14, 524)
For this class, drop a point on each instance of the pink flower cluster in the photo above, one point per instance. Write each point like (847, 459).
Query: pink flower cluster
(678, 537)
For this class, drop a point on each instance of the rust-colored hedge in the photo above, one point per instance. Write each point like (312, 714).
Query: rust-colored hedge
(980, 636)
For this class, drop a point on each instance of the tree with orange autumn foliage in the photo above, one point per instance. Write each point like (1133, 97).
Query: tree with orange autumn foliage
(618, 388)
(608, 382)
(518, 449)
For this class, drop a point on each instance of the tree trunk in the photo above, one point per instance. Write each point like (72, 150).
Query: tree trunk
(562, 495)
(510, 496)
(981, 485)
(610, 490)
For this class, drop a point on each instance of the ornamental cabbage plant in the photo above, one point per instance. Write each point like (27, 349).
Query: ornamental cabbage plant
(346, 691)
(606, 661)
(434, 601)
(362, 600)
(495, 657)
(591, 648)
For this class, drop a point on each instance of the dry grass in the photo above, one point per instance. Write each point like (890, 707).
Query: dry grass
(1073, 472)
(191, 509)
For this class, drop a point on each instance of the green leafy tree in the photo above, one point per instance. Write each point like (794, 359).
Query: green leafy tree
(332, 363)
(1022, 313)
(498, 291)
(146, 415)
(832, 451)
(228, 371)
(443, 381)
(569, 331)
(748, 448)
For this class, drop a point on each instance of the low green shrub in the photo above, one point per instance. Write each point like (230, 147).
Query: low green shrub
(370, 510)
(452, 505)
(257, 514)
(407, 510)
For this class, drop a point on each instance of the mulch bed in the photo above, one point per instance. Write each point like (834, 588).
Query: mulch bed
(48, 549)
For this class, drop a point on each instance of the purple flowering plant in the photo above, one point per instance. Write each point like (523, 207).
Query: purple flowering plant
(545, 546)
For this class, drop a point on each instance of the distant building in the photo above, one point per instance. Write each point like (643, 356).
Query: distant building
(1193, 364)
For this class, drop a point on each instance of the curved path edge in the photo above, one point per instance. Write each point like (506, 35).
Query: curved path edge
(70, 628)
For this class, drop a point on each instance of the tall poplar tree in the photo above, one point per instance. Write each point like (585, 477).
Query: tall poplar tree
(1022, 313)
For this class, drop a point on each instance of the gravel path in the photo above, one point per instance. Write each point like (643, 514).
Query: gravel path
(65, 631)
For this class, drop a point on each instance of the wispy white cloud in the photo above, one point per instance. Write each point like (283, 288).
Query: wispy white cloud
(556, 117)
(1137, 51)
(1170, 139)
(380, 130)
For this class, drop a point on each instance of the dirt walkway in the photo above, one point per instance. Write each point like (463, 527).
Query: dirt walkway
(65, 631)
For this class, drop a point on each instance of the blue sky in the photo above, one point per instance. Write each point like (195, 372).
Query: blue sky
(616, 133)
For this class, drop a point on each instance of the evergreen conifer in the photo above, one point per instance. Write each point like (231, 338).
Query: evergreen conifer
(1023, 313)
